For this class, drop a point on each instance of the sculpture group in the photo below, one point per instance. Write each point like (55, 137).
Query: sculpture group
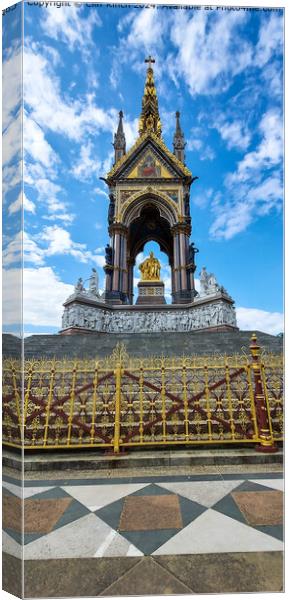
(150, 269)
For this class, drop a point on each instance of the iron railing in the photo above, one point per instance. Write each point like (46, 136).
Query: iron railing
(122, 401)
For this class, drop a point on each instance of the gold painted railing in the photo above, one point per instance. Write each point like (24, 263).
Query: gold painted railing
(122, 401)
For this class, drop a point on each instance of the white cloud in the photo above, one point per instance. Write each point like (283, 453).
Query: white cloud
(270, 41)
(194, 144)
(131, 131)
(260, 320)
(28, 205)
(235, 134)
(36, 145)
(146, 30)
(36, 309)
(11, 177)
(11, 140)
(22, 243)
(197, 142)
(197, 284)
(270, 150)
(59, 242)
(143, 34)
(255, 188)
(99, 260)
(11, 91)
(267, 195)
(68, 26)
(209, 50)
(100, 192)
(66, 218)
(272, 75)
(87, 165)
(52, 241)
(51, 110)
(48, 191)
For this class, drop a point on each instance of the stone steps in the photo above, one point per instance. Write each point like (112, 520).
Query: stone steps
(142, 344)
(97, 459)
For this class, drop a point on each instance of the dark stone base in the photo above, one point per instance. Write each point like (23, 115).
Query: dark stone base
(150, 300)
(116, 298)
(183, 296)
(145, 295)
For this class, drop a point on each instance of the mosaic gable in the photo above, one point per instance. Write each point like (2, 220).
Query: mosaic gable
(149, 166)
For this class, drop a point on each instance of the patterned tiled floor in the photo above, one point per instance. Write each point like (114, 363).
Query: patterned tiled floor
(181, 516)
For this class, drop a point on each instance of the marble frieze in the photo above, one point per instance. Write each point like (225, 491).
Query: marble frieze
(82, 312)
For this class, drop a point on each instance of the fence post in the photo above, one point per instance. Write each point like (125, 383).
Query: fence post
(266, 438)
(118, 374)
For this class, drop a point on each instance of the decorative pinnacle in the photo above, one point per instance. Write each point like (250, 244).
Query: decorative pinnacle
(149, 119)
(120, 124)
(178, 128)
(119, 139)
(178, 140)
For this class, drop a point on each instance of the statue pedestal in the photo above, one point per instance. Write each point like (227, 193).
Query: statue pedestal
(150, 293)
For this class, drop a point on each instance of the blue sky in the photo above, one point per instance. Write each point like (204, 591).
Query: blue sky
(222, 69)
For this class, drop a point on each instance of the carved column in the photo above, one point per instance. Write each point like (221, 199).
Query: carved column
(130, 267)
(118, 292)
(176, 264)
(184, 285)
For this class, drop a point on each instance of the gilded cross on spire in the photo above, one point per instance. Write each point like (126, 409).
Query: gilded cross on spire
(150, 60)
(149, 119)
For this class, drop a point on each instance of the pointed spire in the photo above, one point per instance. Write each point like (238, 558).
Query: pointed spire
(119, 139)
(178, 140)
(149, 118)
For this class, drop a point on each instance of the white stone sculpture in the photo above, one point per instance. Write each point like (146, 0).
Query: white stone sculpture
(94, 284)
(208, 283)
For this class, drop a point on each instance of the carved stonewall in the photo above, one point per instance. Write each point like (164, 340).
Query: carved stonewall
(83, 314)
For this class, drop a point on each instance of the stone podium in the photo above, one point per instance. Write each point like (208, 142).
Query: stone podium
(150, 293)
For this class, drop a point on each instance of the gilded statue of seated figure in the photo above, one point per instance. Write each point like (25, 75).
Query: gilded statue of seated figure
(150, 269)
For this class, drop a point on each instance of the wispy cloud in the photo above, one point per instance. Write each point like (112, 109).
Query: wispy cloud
(207, 56)
(260, 320)
(67, 115)
(255, 188)
(71, 26)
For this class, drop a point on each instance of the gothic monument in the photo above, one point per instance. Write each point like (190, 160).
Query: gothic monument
(149, 200)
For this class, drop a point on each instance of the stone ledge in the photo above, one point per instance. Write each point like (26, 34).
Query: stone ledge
(98, 460)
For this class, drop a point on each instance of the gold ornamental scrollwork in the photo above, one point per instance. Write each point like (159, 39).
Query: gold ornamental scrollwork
(141, 193)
